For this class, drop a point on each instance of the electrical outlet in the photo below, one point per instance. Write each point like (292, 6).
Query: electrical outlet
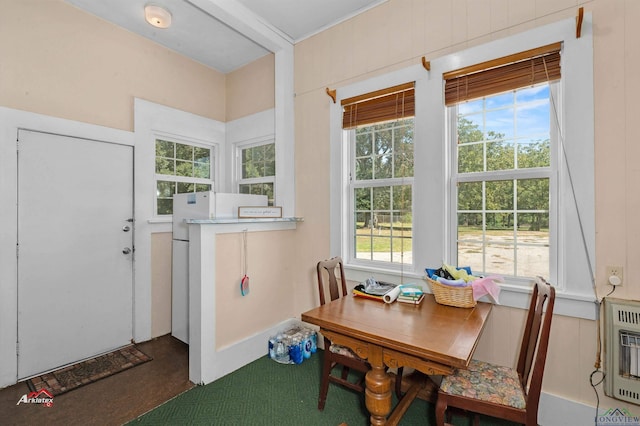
(612, 273)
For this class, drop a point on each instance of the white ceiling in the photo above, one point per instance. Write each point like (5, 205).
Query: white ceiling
(200, 36)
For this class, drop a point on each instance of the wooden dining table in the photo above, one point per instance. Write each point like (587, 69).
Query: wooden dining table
(431, 338)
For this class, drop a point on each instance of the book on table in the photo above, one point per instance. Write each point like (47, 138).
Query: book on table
(415, 300)
(411, 290)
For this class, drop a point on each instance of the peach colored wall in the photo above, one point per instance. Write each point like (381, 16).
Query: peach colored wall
(270, 264)
(69, 64)
(251, 89)
(397, 34)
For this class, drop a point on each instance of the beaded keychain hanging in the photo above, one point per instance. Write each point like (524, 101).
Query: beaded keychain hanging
(244, 282)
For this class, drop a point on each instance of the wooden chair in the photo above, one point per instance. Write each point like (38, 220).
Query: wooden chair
(336, 355)
(506, 393)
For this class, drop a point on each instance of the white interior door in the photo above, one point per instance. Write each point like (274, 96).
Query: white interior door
(75, 283)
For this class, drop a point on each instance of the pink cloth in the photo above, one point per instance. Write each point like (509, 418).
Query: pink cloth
(488, 286)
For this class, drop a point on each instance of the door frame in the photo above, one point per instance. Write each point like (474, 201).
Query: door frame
(10, 122)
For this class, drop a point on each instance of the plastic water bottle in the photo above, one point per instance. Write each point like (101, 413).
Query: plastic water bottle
(272, 347)
(295, 350)
(282, 350)
(306, 344)
(314, 341)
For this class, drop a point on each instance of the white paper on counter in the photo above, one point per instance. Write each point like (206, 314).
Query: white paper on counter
(392, 295)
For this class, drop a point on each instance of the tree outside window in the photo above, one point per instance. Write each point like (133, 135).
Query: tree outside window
(382, 191)
(180, 168)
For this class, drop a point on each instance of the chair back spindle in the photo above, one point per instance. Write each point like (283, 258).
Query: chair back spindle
(535, 342)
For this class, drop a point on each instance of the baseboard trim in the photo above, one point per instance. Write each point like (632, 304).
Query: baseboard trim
(233, 357)
(558, 411)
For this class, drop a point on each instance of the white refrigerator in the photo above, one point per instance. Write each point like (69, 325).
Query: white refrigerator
(199, 205)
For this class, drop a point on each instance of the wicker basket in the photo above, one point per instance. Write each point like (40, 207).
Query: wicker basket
(461, 297)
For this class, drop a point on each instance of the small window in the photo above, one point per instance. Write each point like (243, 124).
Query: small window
(382, 192)
(258, 170)
(379, 128)
(180, 168)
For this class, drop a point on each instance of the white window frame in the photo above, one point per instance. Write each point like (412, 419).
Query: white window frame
(340, 185)
(349, 139)
(550, 172)
(239, 180)
(213, 166)
(152, 120)
(432, 219)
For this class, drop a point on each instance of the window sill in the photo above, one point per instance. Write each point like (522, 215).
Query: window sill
(235, 220)
(160, 224)
(233, 225)
(155, 220)
(165, 224)
(567, 303)
(513, 296)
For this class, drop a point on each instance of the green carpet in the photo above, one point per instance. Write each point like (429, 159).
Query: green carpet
(267, 393)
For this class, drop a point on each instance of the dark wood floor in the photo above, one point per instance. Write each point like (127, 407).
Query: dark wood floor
(114, 400)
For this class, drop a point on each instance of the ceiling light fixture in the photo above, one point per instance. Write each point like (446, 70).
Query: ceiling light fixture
(157, 16)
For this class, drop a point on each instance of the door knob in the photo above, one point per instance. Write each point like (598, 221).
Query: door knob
(126, 250)
(126, 228)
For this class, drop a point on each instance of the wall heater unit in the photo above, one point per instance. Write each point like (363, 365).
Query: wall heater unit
(622, 349)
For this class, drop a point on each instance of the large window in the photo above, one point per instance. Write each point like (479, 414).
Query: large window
(501, 175)
(381, 175)
(181, 168)
(258, 170)
(502, 145)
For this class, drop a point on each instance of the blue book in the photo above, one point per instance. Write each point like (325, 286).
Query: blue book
(411, 290)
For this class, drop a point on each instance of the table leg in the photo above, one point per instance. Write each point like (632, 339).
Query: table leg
(378, 388)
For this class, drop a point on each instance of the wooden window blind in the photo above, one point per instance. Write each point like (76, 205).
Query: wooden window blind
(393, 103)
(500, 75)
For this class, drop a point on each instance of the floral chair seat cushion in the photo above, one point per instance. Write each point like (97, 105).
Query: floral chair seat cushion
(486, 382)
